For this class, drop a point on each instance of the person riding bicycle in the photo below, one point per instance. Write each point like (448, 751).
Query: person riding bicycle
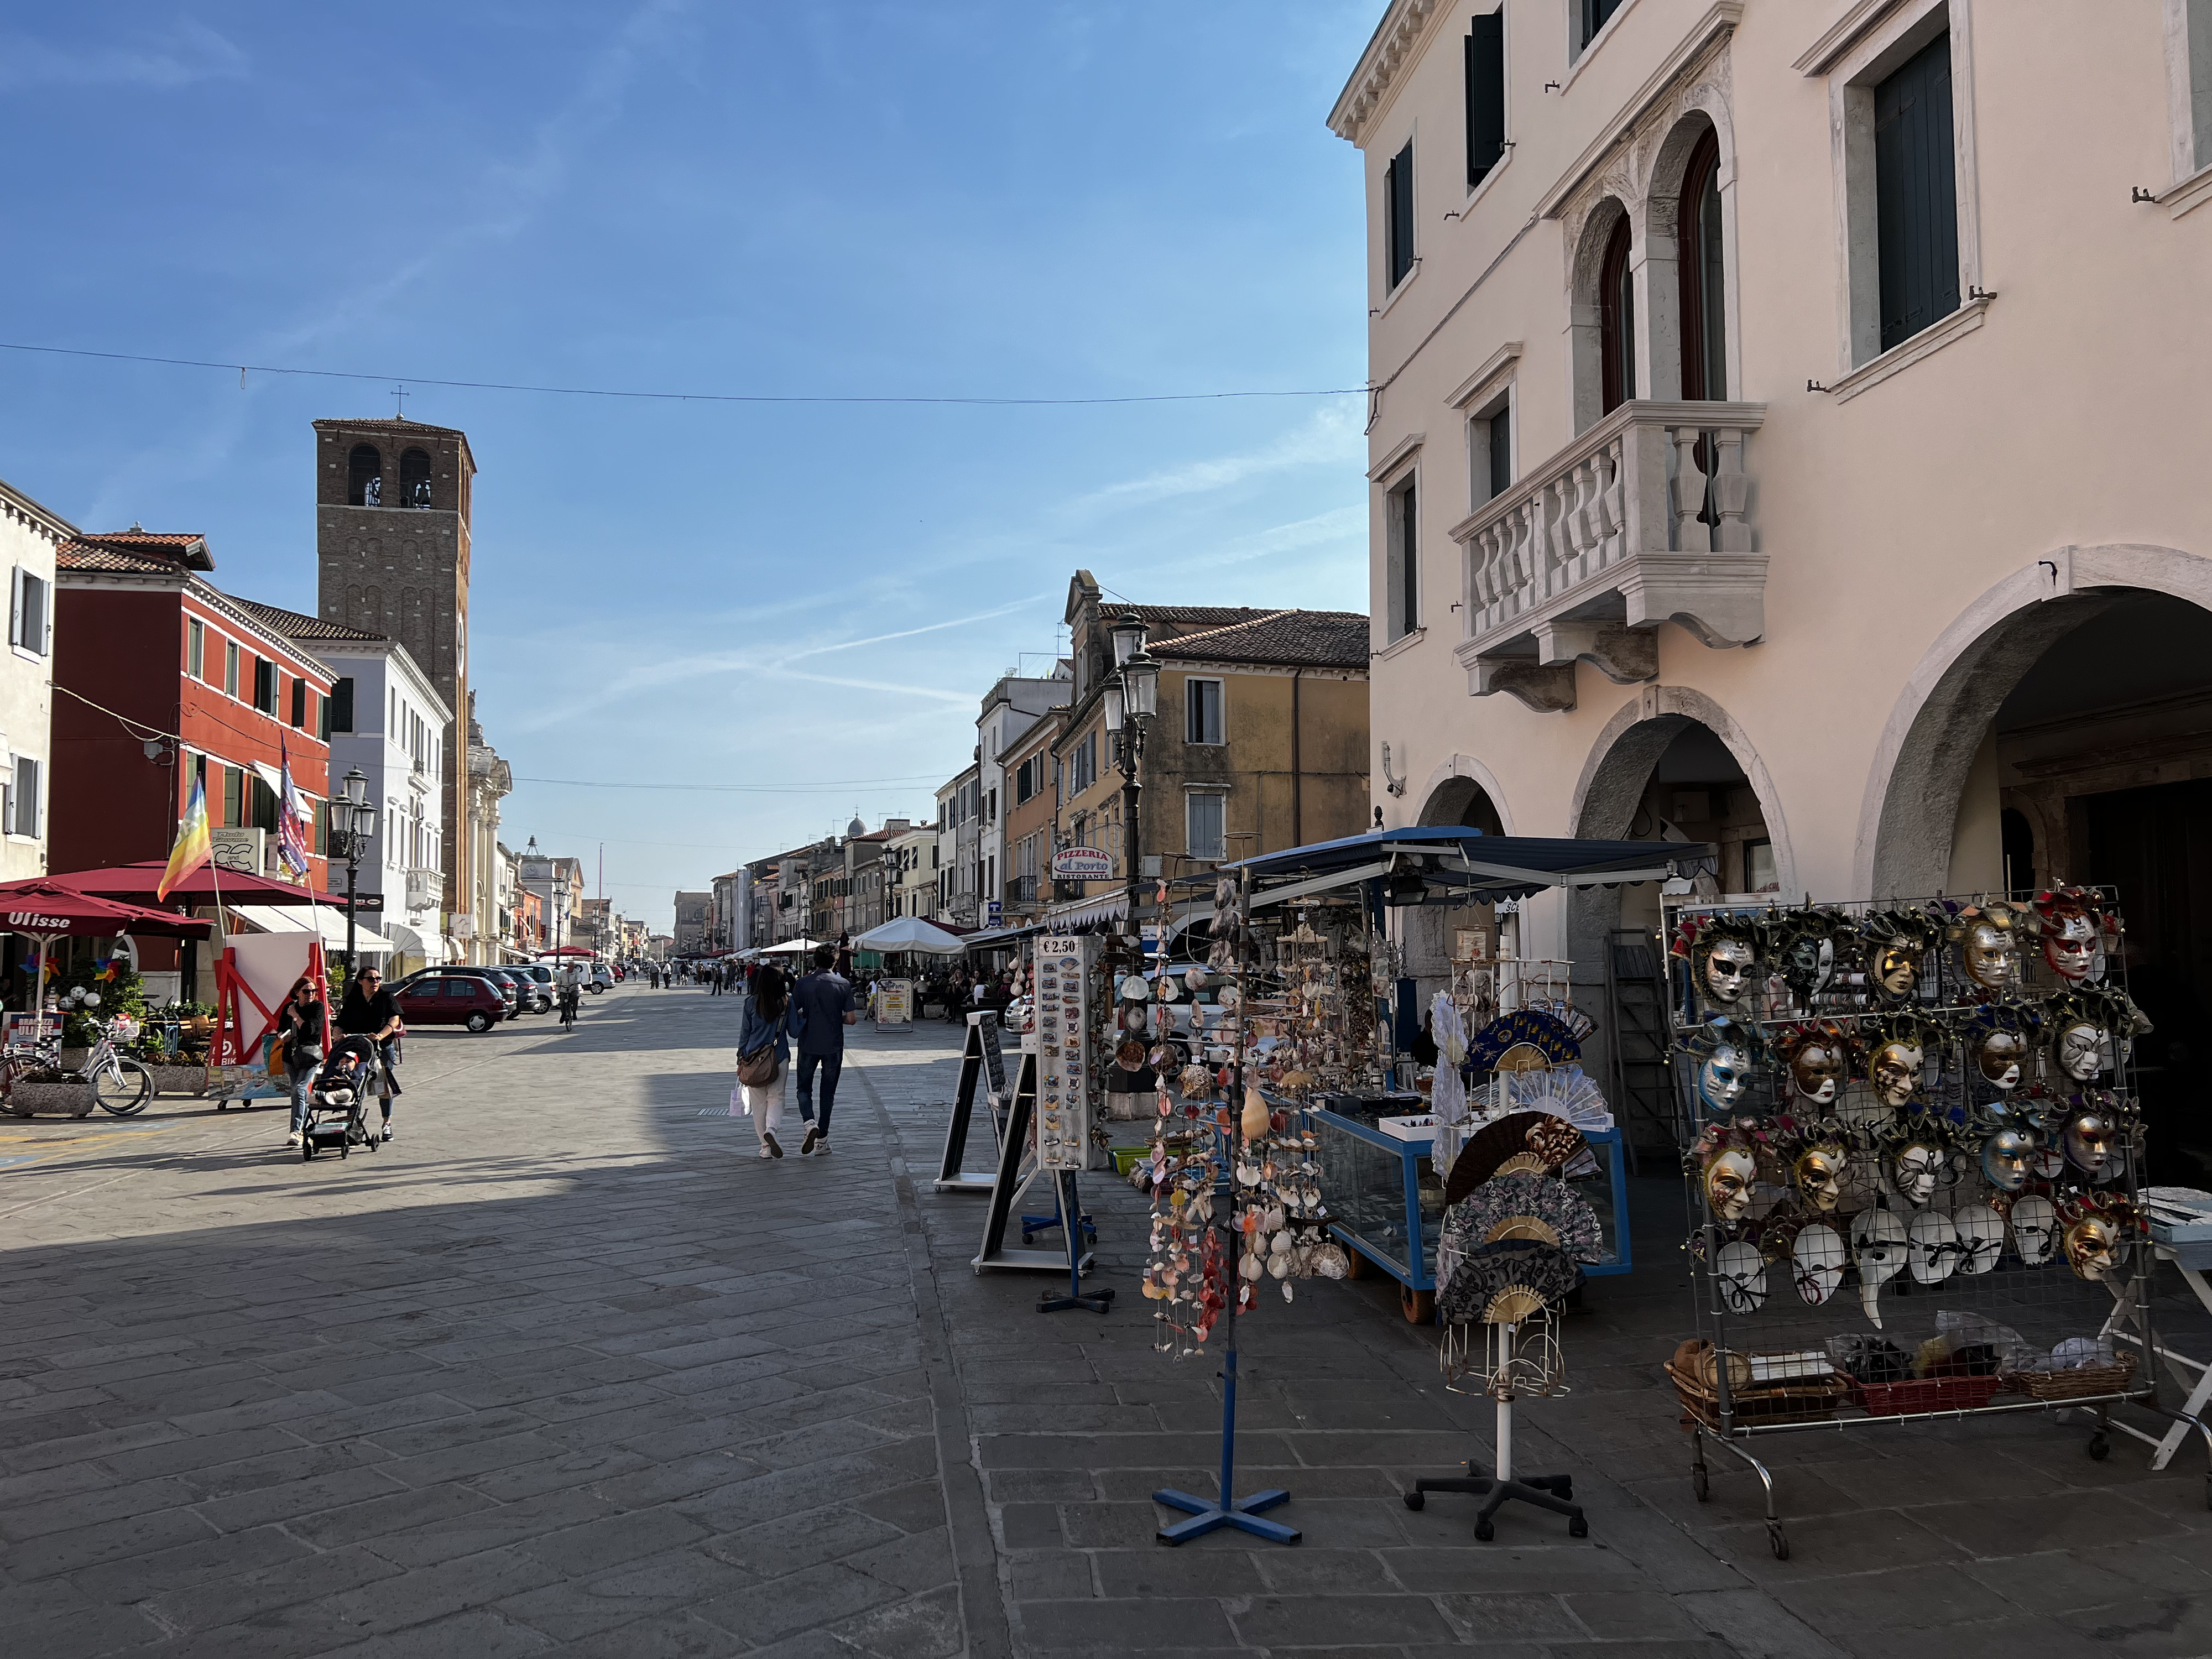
(571, 995)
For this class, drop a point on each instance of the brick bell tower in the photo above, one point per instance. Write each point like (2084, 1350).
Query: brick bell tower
(392, 556)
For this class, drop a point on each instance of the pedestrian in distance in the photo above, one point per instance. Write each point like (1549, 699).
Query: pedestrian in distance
(765, 1021)
(823, 1002)
(304, 1028)
(372, 1012)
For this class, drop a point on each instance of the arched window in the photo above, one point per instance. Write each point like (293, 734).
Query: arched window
(1698, 250)
(415, 478)
(1616, 320)
(365, 477)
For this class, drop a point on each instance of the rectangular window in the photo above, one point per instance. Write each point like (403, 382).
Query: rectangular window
(299, 703)
(322, 829)
(265, 685)
(230, 667)
(1485, 95)
(1594, 16)
(1028, 779)
(1398, 215)
(1201, 716)
(260, 804)
(23, 798)
(1501, 452)
(323, 717)
(27, 613)
(1203, 817)
(1402, 574)
(234, 798)
(1916, 194)
(195, 648)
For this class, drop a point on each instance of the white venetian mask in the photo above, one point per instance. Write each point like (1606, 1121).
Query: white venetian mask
(1931, 1247)
(2034, 1229)
(1878, 1242)
(1740, 1273)
(1818, 1256)
(1981, 1238)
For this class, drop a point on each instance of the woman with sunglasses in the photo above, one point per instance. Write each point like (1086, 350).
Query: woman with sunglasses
(304, 1029)
(372, 1012)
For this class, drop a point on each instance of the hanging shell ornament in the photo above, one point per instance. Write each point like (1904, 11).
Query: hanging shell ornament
(1255, 1115)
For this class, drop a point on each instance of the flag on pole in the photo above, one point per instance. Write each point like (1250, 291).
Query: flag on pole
(195, 846)
(293, 817)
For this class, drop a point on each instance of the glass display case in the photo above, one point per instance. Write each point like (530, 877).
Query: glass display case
(1387, 1202)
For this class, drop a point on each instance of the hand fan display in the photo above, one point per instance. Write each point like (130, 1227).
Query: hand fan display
(1520, 1143)
(1506, 1283)
(1529, 1207)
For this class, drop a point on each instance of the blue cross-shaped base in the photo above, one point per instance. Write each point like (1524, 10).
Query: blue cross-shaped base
(1207, 1516)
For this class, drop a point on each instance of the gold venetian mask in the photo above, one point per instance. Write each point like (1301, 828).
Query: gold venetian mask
(1817, 1175)
(1728, 1175)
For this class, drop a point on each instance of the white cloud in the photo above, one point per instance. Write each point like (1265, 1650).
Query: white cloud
(191, 52)
(1328, 437)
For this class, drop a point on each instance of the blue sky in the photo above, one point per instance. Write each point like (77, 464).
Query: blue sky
(927, 198)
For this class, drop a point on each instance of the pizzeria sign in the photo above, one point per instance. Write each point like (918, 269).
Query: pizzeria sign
(1082, 864)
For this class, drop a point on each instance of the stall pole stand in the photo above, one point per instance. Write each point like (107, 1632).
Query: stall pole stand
(1063, 1193)
(1242, 1513)
(2199, 1393)
(1555, 1493)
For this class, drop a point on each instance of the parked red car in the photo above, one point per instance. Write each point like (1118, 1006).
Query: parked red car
(436, 999)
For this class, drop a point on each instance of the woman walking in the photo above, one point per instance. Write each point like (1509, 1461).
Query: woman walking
(305, 1033)
(764, 1043)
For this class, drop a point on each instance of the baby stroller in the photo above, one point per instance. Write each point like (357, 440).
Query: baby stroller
(338, 1100)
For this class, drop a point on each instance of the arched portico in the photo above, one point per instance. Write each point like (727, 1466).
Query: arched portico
(1463, 790)
(1908, 815)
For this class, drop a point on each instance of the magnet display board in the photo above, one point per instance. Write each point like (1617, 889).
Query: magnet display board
(1066, 1067)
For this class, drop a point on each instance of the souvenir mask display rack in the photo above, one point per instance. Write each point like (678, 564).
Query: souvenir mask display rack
(1912, 1189)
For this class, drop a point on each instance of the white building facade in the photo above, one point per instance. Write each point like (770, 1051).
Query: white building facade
(1785, 435)
(1011, 707)
(29, 535)
(388, 721)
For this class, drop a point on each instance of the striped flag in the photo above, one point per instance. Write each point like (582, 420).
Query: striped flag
(294, 814)
(195, 846)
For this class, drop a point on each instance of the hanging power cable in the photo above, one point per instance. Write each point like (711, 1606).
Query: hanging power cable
(242, 369)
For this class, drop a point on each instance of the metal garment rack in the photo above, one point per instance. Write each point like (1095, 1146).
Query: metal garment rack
(2038, 1301)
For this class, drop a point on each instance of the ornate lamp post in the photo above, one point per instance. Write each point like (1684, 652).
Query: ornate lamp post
(1132, 698)
(358, 826)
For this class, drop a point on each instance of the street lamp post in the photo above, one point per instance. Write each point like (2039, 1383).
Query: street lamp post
(1132, 698)
(360, 825)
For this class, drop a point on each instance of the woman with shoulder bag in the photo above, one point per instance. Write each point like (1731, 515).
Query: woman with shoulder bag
(764, 1055)
(305, 1032)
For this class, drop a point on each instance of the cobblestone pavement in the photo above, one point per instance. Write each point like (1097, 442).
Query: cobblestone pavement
(566, 1367)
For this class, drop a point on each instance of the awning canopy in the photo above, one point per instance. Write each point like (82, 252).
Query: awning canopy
(998, 937)
(270, 919)
(792, 947)
(1455, 865)
(406, 942)
(1080, 913)
(140, 883)
(911, 933)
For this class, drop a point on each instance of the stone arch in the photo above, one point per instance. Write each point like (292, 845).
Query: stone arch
(1585, 347)
(1458, 785)
(1909, 812)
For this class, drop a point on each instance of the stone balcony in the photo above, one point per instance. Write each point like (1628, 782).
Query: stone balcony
(1585, 556)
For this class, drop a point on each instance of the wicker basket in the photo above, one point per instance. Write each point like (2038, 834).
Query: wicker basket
(1924, 1394)
(2080, 1383)
(1809, 1399)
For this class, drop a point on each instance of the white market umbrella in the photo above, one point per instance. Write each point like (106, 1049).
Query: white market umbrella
(911, 933)
(792, 947)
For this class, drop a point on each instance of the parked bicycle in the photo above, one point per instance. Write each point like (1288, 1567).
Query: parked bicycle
(119, 1085)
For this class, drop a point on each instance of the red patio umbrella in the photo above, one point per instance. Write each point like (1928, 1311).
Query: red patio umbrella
(44, 910)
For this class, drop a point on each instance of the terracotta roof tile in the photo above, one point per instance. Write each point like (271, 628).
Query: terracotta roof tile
(83, 556)
(170, 549)
(1285, 639)
(296, 625)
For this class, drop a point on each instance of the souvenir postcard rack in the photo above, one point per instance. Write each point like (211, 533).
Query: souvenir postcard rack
(1913, 1186)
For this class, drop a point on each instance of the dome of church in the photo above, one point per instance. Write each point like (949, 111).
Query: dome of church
(857, 827)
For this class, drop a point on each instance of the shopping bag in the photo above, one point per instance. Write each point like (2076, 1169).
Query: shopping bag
(737, 1107)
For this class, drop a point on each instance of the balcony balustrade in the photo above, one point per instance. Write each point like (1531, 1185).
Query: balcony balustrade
(1642, 519)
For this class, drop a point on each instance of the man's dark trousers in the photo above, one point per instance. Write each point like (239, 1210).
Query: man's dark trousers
(830, 1065)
